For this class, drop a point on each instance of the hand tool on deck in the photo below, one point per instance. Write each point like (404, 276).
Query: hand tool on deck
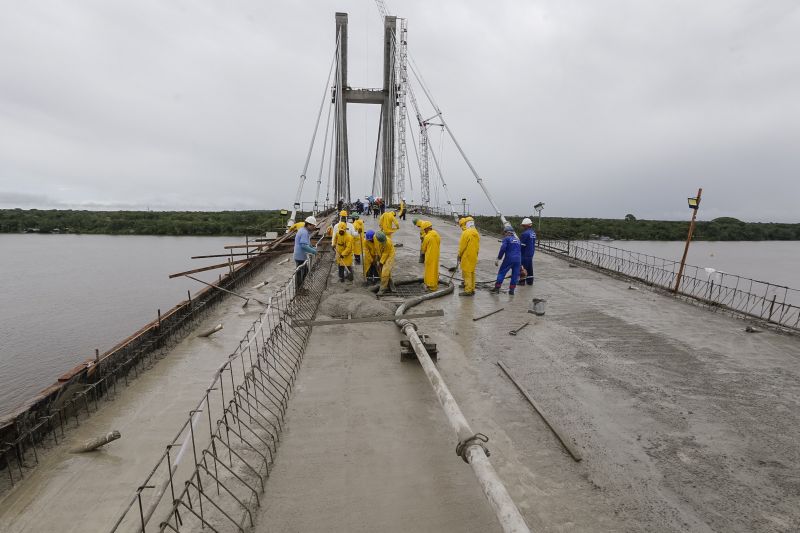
(515, 331)
(246, 299)
(487, 314)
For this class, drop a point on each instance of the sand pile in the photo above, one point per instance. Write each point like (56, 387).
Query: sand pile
(354, 304)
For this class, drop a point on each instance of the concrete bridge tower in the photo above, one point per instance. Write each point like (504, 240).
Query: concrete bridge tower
(385, 97)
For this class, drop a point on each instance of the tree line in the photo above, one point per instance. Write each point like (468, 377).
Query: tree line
(629, 228)
(210, 223)
(201, 223)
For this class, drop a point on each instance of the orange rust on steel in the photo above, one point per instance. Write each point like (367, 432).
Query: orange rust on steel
(250, 255)
(221, 265)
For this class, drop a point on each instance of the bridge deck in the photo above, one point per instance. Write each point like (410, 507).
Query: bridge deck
(685, 422)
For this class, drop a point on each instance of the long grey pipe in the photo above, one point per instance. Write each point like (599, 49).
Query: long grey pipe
(504, 507)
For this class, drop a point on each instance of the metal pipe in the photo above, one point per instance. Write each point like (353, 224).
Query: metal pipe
(473, 451)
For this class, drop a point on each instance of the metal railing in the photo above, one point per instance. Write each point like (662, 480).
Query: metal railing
(229, 453)
(770, 302)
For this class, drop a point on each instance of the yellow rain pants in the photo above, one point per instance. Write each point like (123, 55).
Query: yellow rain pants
(430, 247)
(468, 247)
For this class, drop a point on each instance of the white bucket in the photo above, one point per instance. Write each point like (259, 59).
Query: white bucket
(537, 307)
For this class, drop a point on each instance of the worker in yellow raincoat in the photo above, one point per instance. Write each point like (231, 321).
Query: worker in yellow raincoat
(388, 223)
(468, 247)
(370, 258)
(402, 213)
(385, 254)
(358, 238)
(344, 253)
(430, 247)
(418, 223)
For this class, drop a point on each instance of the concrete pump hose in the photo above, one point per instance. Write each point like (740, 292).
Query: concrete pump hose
(470, 444)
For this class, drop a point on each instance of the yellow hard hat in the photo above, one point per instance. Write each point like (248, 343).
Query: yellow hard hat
(425, 225)
(342, 213)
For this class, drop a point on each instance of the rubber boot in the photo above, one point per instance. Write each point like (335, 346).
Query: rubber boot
(511, 290)
(496, 290)
(465, 293)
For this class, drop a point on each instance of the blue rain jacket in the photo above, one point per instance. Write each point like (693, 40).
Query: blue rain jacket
(511, 249)
(528, 242)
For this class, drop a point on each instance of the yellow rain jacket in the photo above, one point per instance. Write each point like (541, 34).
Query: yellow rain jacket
(370, 254)
(468, 247)
(385, 250)
(388, 223)
(296, 226)
(344, 249)
(430, 247)
(359, 238)
(421, 225)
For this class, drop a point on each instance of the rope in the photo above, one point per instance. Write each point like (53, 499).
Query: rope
(463, 445)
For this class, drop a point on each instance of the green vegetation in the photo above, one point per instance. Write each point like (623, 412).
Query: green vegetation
(257, 222)
(141, 222)
(719, 229)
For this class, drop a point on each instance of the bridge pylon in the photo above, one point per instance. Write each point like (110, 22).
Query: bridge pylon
(386, 97)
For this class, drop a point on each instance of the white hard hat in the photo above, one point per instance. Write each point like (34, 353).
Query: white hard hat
(311, 220)
(527, 222)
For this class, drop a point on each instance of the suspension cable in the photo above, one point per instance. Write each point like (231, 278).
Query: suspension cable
(313, 138)
(322, 160)
(458, 146)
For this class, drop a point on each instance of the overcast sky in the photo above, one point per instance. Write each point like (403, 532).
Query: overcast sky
(598, 108)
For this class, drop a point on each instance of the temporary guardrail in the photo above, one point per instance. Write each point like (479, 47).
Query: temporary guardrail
(770, 302)
(215, 466)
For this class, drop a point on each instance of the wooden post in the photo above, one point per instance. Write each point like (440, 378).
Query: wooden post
(159, 320)
(688, 241)
(189, 294)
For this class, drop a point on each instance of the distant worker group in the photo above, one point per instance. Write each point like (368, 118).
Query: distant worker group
(374, 250)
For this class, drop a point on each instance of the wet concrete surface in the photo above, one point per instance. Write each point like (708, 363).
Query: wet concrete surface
(87, 492)
(685, 422)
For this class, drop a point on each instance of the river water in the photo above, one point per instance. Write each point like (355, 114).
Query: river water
(62, 296)
(777, 262)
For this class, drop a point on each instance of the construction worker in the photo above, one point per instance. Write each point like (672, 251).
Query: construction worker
(402, 213)
(430, 247)
(418, 223)
(358, 226)
(302, 248)
(385, 254)
(388, 223)
(511, 254)
(462, 222)
(528, 242)
(344, 253)
(342, 216)
(468, 247)
(370, 258)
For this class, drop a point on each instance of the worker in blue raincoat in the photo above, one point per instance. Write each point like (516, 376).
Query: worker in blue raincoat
(511, 254)
(528, 242)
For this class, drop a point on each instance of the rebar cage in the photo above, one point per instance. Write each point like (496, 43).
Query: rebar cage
(216, 466)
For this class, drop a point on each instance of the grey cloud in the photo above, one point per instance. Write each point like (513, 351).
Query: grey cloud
(597, 108)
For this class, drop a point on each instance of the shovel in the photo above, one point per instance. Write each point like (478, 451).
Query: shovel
(515, 331)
